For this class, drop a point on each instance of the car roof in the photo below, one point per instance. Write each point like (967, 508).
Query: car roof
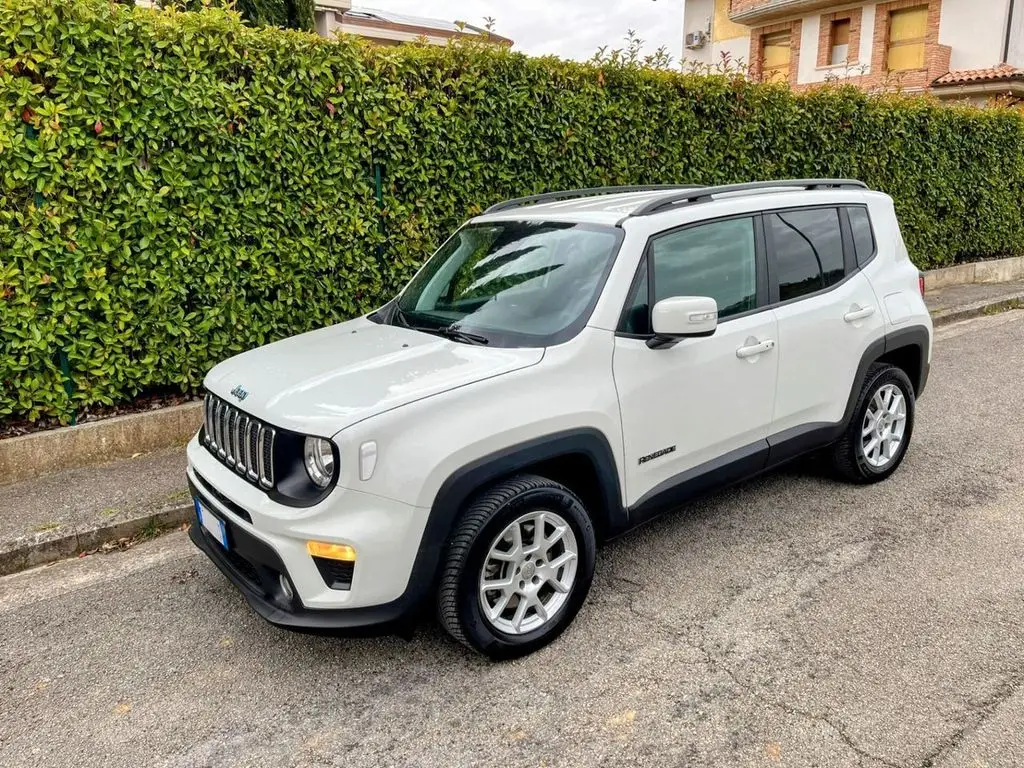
(608, 206)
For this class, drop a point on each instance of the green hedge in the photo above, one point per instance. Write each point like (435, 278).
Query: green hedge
(178, 187)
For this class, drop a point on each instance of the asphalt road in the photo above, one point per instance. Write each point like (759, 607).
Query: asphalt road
(791, 621)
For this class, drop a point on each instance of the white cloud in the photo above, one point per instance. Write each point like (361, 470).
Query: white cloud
(571, 29)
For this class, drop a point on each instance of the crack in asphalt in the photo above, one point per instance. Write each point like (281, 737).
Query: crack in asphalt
(718, 664)
(978, 714)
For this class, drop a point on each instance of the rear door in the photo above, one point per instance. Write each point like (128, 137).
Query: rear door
(827, 312)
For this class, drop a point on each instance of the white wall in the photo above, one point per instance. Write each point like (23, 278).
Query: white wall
(1016, 55)
(696, 16)
(975, 30)
(810, 72)
(867, 35)
(810, 27)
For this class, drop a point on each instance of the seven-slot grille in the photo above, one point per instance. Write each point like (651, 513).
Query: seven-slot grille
(243, 443)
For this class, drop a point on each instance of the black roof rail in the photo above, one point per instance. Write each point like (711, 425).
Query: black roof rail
(585, 192)
(705, 194)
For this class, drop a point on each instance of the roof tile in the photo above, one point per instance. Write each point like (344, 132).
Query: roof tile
(986, 75)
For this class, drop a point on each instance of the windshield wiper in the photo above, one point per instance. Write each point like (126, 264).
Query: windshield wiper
(452, 331)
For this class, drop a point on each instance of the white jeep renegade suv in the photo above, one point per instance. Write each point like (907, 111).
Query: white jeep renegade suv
(562, 369)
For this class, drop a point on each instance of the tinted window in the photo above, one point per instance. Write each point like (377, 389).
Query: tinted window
(863, 239)
(637, 317)
(715, 260)
(808, 248)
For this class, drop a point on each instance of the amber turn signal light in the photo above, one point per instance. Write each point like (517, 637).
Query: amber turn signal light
(331, 551)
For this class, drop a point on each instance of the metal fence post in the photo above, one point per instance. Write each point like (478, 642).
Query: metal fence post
(378, 181)
(69, 383)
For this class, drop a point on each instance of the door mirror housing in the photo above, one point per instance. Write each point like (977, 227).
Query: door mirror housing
(682, 317)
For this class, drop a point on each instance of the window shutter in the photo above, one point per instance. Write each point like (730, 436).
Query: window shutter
(908, 29)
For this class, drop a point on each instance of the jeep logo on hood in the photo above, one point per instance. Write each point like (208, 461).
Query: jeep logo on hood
(240, 393)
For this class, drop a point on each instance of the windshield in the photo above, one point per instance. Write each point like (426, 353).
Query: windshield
(514, 283)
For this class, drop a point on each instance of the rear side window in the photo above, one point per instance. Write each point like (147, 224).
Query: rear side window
(808, 250)
(863, 238)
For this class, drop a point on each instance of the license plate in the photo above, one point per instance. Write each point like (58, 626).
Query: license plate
(213, 524)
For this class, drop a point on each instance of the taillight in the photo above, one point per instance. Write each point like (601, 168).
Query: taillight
(920, 283)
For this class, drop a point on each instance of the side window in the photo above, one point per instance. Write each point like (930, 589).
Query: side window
(808, 250)
(715, 259)
(637, 316)
(863, 238)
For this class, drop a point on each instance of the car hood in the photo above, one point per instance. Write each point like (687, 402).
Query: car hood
(325, 380)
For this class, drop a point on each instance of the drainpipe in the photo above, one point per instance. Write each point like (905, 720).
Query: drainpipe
(1009, 28)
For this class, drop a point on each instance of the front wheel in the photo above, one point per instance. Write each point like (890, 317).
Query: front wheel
(518, 567)
(876, 439)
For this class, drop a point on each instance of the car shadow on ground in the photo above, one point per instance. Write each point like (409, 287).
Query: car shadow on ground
(692, 533)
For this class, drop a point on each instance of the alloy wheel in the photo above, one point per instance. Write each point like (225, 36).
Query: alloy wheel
(528, 573)
(885, 424)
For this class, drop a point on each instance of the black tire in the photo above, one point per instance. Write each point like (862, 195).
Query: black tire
(848, 457)
(486, 517)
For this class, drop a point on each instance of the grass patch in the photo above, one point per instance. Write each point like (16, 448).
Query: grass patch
(1004, 306)
(151, 530)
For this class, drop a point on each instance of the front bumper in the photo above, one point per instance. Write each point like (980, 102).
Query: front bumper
(253, 568)
(392, 573)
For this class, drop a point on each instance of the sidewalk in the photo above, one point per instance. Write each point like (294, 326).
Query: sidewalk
(961, 302)
(78, 510)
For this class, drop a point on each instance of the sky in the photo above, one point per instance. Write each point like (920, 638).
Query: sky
(570, 29)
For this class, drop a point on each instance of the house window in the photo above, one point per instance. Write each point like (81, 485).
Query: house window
(840, 38)
(907, 31)
(775, 59)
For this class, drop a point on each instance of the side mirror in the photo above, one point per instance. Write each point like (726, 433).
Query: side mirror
(682, 317)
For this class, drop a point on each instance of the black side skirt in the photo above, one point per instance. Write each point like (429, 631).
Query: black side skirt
(734, 467)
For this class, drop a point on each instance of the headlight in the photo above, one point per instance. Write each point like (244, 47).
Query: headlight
(319, 461)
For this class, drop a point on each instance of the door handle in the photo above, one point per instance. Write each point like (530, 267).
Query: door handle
(858, 314)
(755, 349)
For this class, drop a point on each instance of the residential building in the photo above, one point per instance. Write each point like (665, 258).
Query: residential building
(335, 17)
(955, 49)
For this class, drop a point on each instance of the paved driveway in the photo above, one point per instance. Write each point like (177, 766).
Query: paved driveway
(791, 622)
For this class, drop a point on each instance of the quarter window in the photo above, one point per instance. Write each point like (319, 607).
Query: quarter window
(863, 239)
(637, 317)
(808, 250)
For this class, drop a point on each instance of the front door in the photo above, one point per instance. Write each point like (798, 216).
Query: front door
(705, 403)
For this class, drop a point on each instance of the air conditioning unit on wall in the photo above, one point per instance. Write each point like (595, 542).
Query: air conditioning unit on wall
(696, 39)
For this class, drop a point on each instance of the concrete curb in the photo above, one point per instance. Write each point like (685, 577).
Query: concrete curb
(97, 442)
(996, 271)
(977, 309)
(40, 549)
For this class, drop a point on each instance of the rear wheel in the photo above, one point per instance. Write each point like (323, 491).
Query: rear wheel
(518, 567)
(876, 440)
